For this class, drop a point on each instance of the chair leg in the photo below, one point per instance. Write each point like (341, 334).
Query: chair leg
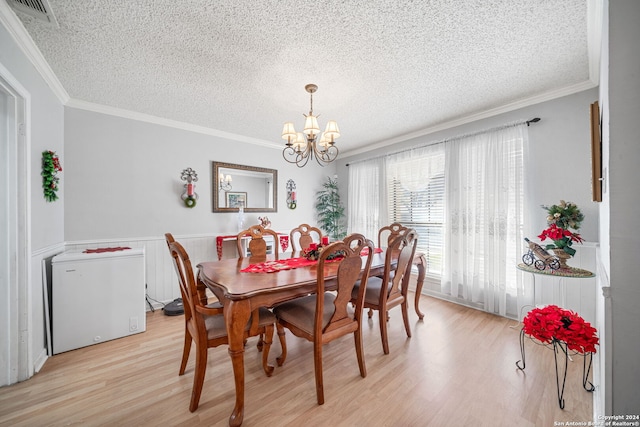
(357, 336)
(317, 363)
(283, 345)
(185, 350)
(198, 377)
(260, 343)
(268, 339)
(370, 313)
(382, 317)
(405, 317)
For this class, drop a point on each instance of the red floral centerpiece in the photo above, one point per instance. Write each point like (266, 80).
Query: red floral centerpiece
(561, 219)
(314, 250)
(552, 323)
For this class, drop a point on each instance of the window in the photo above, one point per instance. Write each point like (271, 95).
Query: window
(415, 190)
(465, 198)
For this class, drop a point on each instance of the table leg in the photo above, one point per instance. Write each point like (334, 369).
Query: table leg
(420, 261)
(236, 316)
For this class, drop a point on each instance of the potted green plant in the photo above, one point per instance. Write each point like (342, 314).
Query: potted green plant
(330, 211)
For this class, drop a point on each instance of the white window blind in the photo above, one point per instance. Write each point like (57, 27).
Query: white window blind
(415, 191)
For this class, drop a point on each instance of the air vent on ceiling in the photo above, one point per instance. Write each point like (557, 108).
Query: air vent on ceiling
(39, 9)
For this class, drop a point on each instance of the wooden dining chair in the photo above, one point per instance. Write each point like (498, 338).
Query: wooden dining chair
(325, 316)
(205, 325)
(257, 244)
(304, 235)
(390, 290)
(388, 233)
(201, 290)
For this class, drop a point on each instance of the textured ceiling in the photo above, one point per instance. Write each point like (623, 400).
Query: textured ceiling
(384, 68)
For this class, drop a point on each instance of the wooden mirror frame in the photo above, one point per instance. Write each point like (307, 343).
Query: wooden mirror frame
(216, 166)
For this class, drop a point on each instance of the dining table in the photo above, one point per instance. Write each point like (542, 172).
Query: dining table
(243, 292)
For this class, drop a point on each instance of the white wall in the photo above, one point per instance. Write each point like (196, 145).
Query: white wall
(621, 124)
(123, 180)
(44, 132)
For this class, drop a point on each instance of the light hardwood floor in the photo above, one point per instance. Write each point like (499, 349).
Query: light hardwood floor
(458, 369)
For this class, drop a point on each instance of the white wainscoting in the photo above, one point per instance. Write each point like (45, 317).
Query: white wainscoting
(162, 282)
(576, 294)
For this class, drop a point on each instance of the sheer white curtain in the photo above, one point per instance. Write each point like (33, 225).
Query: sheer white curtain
(484, 216)
(367, 198)
(415, 168)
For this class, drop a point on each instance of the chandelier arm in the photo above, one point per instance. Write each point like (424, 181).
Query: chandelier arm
(289, 151)
(324, 157)
(300, 158)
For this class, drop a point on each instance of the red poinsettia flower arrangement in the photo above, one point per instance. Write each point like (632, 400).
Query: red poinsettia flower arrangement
(552, 323)
(556, 233)
(560, 218)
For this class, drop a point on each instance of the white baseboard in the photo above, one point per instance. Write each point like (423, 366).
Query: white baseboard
(39, 362)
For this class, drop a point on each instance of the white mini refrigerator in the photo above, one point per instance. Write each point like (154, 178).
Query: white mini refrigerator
(96, 297)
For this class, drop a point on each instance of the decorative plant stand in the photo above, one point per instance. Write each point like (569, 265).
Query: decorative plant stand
(563, 331)
(560, 350)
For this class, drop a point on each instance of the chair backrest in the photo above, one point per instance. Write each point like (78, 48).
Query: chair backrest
(186, 280)
(201, 288)
(348, 272)
(304, 234)
(390, 232)
(257, 244)
(397, 274)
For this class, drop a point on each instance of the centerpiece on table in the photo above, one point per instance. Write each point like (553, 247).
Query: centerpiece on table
(561, 219)
(264, 222)
(313, 252)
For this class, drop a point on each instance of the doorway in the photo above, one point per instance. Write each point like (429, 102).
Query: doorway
(15, 325)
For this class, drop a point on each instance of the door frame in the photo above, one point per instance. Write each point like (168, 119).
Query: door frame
(17, 333)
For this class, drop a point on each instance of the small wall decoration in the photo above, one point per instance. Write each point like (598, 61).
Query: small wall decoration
(291, 194)
(189, 197)
(237, 199)
(50, 168)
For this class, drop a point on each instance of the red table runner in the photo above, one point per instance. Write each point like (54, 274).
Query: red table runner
(101, 250)
(273, 266)
(288, 264)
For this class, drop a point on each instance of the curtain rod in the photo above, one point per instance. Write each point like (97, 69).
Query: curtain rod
(508, 125)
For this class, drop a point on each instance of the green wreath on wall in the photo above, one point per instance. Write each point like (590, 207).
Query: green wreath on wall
(50, 168)
(189, 201)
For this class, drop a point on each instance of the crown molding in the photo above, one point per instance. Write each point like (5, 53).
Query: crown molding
(148, 118)
(12, 23)
(537, 99)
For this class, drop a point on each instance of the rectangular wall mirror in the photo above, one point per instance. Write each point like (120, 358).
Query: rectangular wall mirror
(254, 188)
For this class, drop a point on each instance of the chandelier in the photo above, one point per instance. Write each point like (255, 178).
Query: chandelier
(305, 145)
